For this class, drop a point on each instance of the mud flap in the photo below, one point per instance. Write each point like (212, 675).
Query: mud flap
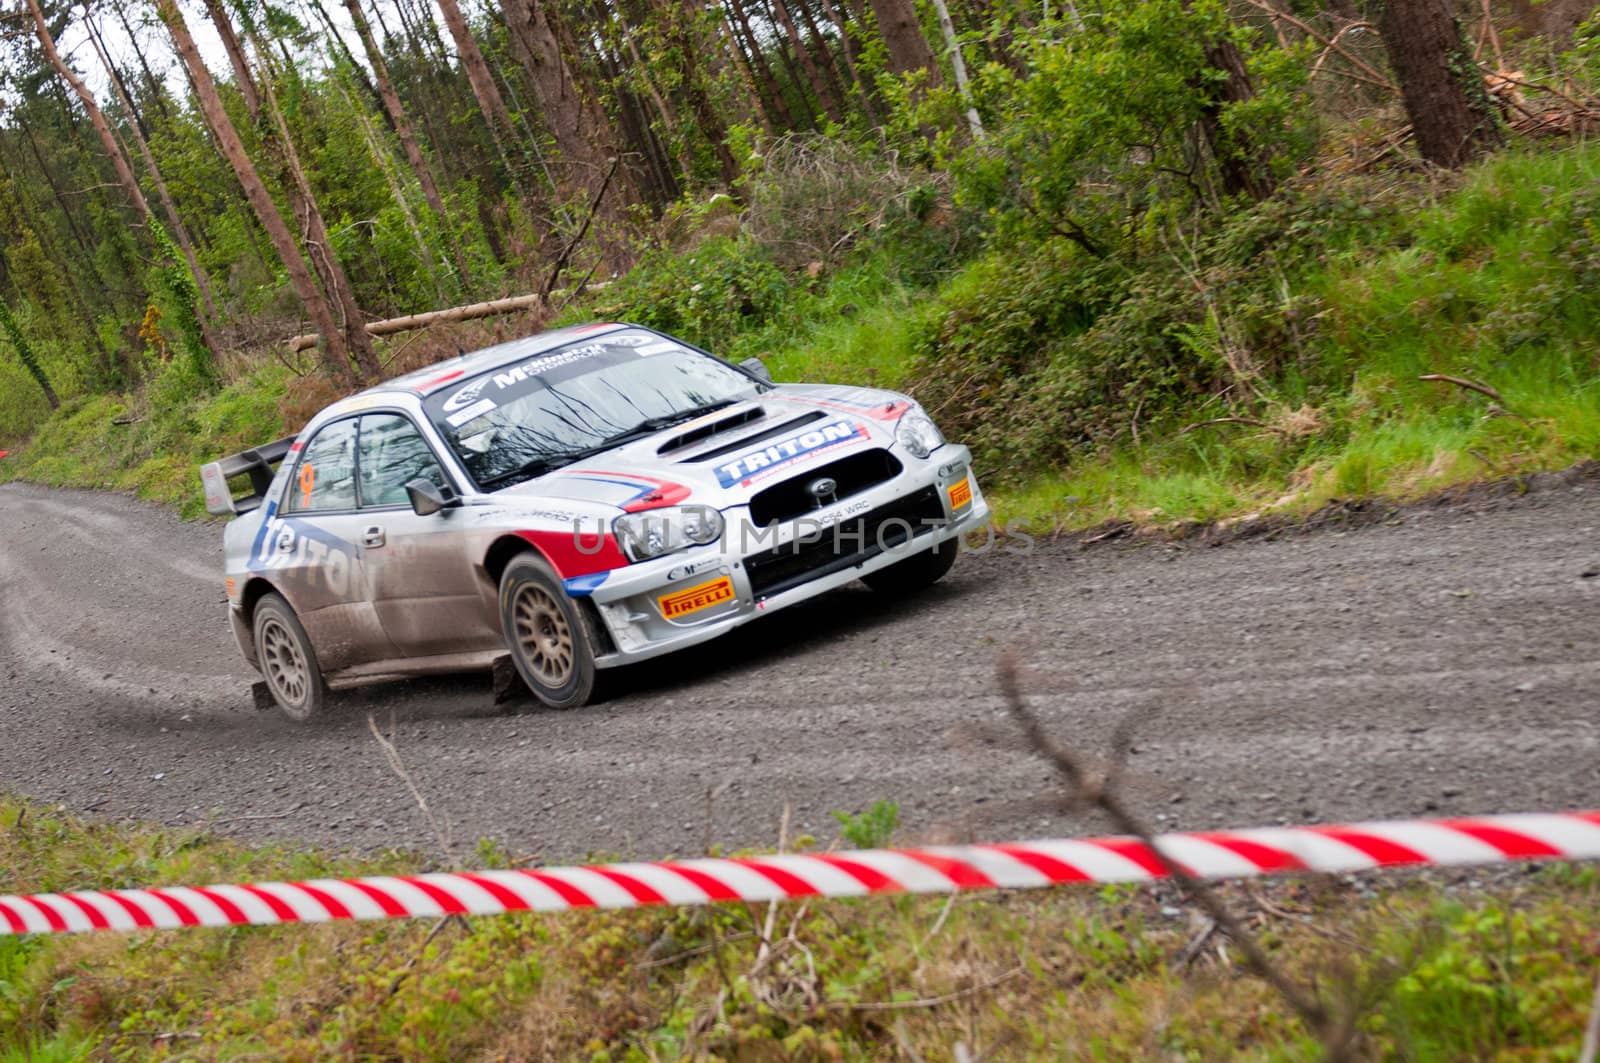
(508, 684)
(261, 695)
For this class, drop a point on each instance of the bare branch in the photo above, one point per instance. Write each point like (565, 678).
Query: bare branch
(588, 219)
(441, 831)
(1460, 382)
(1230, 420)
(1071, 768)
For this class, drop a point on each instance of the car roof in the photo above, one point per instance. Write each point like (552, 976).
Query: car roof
(431, 378)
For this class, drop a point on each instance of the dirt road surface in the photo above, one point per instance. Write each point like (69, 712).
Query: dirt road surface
(1445, 660)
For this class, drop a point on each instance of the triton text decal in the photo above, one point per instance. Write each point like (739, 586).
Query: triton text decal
(786, 451)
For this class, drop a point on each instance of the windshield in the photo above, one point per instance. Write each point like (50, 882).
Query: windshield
(529, 417)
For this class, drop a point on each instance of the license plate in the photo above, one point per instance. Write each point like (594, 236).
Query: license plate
(693, 599)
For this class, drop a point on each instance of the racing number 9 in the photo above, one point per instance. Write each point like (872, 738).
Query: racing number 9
(308, 480)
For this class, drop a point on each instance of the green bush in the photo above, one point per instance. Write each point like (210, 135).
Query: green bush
(723, 286)
(1098, 142)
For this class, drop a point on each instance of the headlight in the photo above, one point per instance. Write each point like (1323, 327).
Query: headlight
(663, 531)
(918, 434)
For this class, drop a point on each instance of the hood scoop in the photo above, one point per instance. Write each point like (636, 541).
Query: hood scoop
(732, 419)
(747, 441)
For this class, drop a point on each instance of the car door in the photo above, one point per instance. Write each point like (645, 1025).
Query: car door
(424, 585)
(314, 550)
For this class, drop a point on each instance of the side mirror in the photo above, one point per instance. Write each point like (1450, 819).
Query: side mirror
(428, 498)
(756, 367)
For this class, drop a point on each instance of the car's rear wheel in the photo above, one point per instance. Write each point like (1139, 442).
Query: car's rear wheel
(287, 660)
(921, 569)
(548, 635)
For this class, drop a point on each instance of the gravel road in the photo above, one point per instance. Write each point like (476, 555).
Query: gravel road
(1445, 659)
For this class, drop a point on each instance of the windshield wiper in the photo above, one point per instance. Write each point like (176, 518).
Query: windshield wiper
(529, 469)
(655, 424)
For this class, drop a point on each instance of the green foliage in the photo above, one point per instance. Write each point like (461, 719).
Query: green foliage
(19, 343)
(1096, 142)
(180, 302)
(871, 829)
(723, 286)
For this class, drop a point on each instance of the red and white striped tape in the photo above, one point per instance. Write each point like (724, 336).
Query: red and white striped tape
(942, 869)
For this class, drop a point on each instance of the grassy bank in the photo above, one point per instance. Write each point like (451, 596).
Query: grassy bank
(1271, 366)
(1454, 972)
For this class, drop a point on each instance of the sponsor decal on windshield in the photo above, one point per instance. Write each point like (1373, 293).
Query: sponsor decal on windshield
(693, 599)
(471, 413)
(786, 452)
(467, 396)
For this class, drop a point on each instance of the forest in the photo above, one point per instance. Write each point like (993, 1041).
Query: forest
(1170, 256)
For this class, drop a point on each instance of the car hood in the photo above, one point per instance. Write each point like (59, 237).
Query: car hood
(724, 458)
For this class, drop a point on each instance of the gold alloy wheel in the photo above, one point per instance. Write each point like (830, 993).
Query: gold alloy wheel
(283, 663)
(543, 634)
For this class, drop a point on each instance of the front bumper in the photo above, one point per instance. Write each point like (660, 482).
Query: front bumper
(673, 602)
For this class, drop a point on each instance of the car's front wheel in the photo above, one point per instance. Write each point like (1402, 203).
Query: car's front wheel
(921, 569)
(287, 660)
(547, 634)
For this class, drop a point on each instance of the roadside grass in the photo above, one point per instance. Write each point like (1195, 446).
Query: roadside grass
(1466, 972)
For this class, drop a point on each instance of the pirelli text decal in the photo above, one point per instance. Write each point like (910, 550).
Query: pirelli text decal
(682, 603)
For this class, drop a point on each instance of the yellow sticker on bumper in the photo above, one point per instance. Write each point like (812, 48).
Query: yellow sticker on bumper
(693, 599)
(960, 493)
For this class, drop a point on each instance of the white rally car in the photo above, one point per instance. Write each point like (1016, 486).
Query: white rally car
(576, 500)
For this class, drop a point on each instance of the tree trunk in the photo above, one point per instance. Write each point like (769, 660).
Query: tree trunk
(268, 116)
(1450, 111)
(778, 106)
(180, 231)
(798, 80)
(574, 119)
(819, 43)
(151, 85)
(663, 170)
(959, 64)
(902, 34)
(102, 128)
(356, 69)
(1243, 169)
(683, 23)
(819, 85)
(120, 163)
(490, 102)
(335, 358)
(13, 332)
(729, 41)
(401, 123)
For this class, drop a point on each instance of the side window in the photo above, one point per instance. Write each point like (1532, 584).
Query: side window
(326, 475)
(393, 453)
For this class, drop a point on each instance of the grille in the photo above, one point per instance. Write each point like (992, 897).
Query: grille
(849, 543)
(854, 474)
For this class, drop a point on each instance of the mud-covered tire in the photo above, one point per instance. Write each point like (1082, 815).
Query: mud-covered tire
(287, 660)
(549, 637)
(922, 569)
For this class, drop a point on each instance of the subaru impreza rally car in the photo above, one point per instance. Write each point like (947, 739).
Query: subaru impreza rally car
(576, 500)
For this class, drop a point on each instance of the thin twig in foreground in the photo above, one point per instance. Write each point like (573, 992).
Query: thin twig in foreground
(441, 832)
(1461, 382)
(928, 1002)
(1095, 792)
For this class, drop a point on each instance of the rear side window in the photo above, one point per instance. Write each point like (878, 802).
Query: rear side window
(393, 453)
(326, 476)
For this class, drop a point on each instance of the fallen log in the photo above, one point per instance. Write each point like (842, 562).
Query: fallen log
(390, 326)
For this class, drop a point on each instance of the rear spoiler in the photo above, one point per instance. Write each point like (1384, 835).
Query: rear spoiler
(258, 463)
